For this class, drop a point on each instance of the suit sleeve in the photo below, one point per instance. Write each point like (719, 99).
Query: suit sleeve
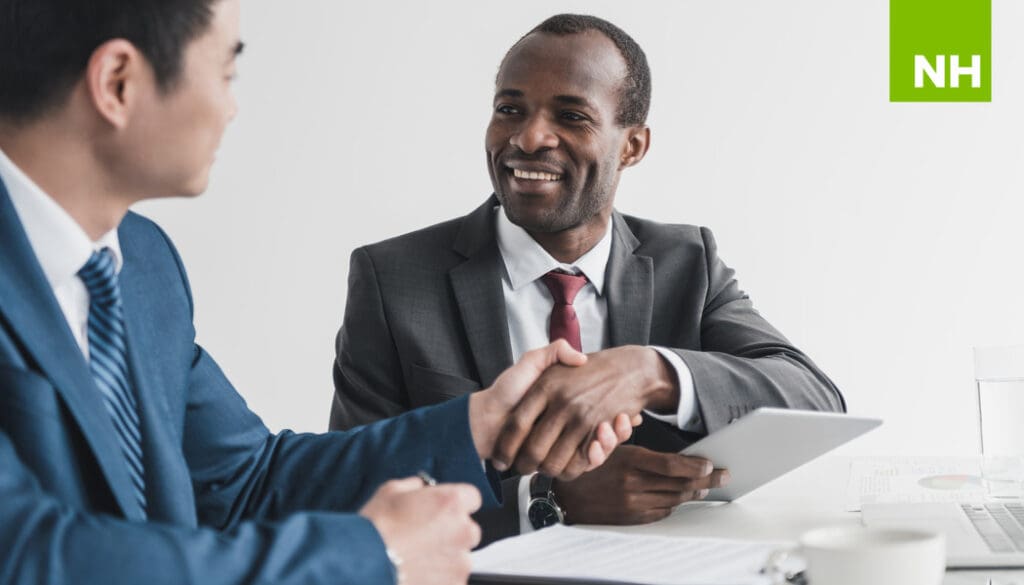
(47, 542)
(368, 382)
(241, 472)
(745, 363)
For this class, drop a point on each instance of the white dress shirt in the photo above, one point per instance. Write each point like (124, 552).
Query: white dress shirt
(60, 244)
(528, 306)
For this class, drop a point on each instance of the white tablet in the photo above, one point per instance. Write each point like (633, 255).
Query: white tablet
(769, 442)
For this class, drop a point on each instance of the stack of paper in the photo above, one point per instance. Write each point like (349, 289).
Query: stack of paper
(565, 554)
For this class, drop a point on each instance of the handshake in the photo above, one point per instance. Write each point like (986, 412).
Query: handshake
(546, 413)
(526, 420)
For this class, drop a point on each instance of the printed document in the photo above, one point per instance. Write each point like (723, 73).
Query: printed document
(566, 554)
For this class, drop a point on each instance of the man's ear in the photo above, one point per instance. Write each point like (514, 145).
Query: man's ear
(113, 77)
(638, 140)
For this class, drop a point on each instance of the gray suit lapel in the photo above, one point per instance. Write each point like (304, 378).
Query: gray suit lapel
(629, 286)
(630, 289)
(477, 287)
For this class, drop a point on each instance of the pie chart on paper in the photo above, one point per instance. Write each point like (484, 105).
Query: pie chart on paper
(951, 482)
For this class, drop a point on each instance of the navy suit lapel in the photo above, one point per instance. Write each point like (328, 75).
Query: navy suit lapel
(29, 307)
(629, 285)
(168, 485)
(477, 287)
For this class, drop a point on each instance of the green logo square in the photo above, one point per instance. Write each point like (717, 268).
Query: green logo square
(940, 50)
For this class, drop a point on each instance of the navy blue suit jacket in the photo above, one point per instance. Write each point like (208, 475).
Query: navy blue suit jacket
(228, 502)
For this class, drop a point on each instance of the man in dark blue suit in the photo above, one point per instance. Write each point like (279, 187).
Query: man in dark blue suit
(125, 454)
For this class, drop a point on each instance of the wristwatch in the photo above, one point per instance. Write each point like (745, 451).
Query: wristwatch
(543, 510)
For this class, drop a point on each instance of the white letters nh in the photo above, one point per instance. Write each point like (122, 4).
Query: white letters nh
(937, 74)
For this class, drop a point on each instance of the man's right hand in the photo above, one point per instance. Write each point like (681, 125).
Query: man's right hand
(489, 413)
(637, 486)
(428, 528)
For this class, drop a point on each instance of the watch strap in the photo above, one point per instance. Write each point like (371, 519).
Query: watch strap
(540, 486)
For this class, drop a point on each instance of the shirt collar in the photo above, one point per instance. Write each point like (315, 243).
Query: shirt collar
(526, 260)
(61, 245)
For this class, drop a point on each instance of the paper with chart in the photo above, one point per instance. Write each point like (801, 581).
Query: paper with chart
(914, 480)
(594, 556)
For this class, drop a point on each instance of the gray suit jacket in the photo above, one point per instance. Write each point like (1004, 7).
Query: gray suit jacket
(425, 322)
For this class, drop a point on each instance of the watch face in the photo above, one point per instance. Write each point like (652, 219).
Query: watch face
(543, 513)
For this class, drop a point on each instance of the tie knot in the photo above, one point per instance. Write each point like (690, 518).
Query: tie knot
(100, 277)
(564, 286)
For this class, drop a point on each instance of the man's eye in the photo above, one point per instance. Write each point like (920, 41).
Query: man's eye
(507, 110)
(573, 117)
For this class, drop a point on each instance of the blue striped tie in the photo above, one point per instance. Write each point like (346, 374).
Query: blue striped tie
(108, 360)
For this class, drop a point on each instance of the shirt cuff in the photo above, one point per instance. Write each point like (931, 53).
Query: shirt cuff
(525, 526)
(687, 416)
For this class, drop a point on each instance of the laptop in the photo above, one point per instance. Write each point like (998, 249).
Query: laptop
(978, 535)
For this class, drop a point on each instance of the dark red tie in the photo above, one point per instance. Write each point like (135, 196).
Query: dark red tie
(564, 324)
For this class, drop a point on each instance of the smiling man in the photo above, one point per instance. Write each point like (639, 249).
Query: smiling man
(440, 312)
(126, 456)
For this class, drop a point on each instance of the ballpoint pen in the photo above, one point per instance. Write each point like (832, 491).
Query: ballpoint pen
(427, 479)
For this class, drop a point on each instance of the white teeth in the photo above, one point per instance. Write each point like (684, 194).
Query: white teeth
(534, 176)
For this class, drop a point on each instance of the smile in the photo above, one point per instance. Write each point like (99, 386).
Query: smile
(535, 176)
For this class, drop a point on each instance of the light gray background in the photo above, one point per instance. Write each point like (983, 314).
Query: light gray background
(884, 239)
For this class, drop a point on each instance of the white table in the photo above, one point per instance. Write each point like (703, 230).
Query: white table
(810, 497)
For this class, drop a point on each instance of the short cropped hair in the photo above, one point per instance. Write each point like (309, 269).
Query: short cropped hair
(45, 45)
(635, 93)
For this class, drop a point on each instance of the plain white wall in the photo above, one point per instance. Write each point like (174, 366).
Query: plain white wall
(883, 239)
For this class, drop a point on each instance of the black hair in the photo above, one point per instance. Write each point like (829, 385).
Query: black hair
(635, 93)
(45, 45)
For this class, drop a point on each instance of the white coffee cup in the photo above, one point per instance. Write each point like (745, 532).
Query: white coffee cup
(855, 555)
